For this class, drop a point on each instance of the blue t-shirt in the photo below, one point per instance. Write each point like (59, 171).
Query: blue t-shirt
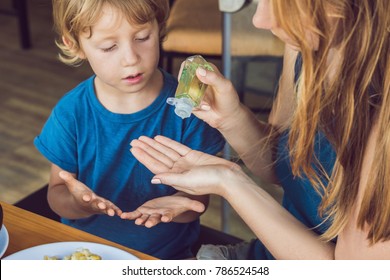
(299, 198)
(81, 136)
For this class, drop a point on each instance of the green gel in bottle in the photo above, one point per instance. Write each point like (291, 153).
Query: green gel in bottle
(190, 91)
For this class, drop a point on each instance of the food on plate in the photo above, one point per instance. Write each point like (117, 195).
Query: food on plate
(79, 254)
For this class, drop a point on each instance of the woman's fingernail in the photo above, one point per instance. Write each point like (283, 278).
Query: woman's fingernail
(156, 181)
(202, 72)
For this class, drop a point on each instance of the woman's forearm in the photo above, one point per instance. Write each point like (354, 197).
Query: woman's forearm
(250, 139)
(283, 235)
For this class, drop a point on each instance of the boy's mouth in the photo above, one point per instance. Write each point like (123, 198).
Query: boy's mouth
(134, 78)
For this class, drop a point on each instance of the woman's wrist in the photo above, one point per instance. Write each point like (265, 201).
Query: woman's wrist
(233, 179)
(234, 121)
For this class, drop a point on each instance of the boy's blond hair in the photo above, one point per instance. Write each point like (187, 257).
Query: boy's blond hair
(72, 17)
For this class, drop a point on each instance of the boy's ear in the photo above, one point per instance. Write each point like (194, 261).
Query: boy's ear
(72, 49)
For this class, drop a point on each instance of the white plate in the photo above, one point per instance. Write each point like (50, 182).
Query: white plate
(62, 249)
(4, 239)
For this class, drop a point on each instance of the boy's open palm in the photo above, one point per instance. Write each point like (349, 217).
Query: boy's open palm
(163, 210)
(87, 199)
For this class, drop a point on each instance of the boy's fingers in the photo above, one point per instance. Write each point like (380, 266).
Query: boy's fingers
(197, 206)
(131, 215)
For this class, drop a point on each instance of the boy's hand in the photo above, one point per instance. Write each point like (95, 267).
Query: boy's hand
(87, 199)
(163, 210)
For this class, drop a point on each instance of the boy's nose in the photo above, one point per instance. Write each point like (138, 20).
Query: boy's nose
(129, 57)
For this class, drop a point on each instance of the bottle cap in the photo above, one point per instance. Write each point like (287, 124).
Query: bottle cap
(183, 106)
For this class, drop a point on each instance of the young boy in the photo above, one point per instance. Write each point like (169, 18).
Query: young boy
(94, 178)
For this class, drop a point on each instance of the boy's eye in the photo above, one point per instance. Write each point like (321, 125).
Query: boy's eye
(143, 38)
(108, 49)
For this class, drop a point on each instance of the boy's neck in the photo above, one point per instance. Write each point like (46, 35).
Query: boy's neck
(128, 103)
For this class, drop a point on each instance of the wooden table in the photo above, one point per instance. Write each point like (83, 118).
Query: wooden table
(27, 229)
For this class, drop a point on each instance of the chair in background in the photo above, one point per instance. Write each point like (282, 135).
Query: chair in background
(212, 236)
(195, 27)
(19, 9)
(192, 30)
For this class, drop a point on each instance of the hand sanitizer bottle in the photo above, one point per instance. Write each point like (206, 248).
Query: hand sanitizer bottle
(190, 91)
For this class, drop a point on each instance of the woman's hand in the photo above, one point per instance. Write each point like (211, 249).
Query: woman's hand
(163, 210)
(184, 169)
(220, 102)
(86, 199)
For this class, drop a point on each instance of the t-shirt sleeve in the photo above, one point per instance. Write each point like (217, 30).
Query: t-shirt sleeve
(57, 142)
(202, 137)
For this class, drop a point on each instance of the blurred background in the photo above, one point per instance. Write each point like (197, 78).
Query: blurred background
(32, 80)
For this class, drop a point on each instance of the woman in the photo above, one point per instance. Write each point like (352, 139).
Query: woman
(327, 141)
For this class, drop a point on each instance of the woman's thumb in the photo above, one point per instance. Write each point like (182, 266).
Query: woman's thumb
(211, 78)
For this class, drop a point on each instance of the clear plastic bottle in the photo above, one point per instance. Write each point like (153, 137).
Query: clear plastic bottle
(190, 91)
